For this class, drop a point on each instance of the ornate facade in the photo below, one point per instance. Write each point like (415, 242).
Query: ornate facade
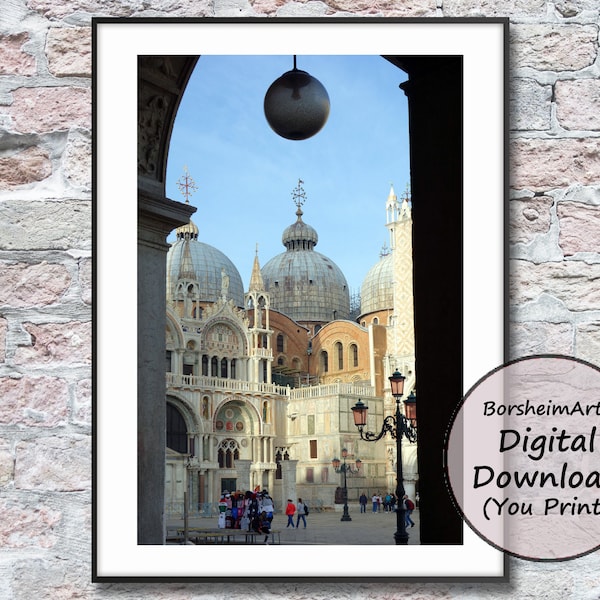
(260, 385)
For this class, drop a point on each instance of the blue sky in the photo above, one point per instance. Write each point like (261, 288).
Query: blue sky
(245, 173)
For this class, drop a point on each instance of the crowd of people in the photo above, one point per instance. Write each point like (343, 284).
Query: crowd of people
(253, 511)
(250, 511)
(387, 503)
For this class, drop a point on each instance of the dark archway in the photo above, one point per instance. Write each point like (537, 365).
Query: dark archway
(435, 100)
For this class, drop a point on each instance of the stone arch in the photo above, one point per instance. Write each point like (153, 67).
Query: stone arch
(187, 411)
(435, 139)
(230, 324)
(174, 328)
(246, 406)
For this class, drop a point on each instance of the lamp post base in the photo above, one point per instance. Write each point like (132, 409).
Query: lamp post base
(346, 516)
(401, 535)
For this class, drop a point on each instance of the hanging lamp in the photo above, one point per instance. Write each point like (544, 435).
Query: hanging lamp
(296, 105)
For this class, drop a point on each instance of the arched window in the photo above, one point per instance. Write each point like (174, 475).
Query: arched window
(224, 367)
(339, 348)
(228, 453)
(280, 342)
(205, 365)
(324, 361)
(375, 321)
(176, 430)
(233, 365)
(354, 354)
(214, 367)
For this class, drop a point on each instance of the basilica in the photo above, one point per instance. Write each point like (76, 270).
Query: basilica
(261, 382)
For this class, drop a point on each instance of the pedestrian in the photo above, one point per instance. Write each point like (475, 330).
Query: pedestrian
(267, 505)
(301, 509)
(374, 501)
(387, 503)
(409, 506)
(264, 525)
(363, 503)
(290, 509)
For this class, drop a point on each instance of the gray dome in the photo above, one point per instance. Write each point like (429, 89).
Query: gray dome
(376, 292)
(193, 260)
(303, 284)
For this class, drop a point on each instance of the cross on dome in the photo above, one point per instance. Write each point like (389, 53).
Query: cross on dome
(186, 185)
(299, 195)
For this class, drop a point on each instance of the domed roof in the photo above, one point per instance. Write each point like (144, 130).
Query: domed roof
(303, 284)
(376, 292)
(193, 260)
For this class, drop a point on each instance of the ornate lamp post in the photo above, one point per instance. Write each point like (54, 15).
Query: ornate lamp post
(345, 468)
(398, 427)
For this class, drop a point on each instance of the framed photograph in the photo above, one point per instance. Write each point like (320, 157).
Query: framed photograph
(449, 151)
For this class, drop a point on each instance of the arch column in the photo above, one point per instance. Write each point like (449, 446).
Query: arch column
(157, 218)
(162, 81)
(436, 129)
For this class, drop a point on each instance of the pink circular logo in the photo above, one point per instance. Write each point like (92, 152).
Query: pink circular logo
(523, 458)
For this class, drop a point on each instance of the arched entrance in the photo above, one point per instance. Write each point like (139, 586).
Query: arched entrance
(434, 91)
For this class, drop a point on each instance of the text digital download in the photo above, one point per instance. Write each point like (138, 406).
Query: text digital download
(523, 458)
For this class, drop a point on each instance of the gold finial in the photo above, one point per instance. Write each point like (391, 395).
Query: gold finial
(186, 185)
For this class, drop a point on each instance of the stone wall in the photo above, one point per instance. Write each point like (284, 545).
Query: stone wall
(45, 274)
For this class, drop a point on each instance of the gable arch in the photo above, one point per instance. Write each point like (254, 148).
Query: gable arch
(230, 324)
(245, 406)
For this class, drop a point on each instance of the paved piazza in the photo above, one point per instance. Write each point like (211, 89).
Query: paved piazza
(326, 528)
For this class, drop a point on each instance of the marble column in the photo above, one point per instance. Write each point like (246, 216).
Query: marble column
(288, 488)
(243, 474)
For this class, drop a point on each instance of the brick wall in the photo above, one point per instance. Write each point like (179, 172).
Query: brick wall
(45, 275)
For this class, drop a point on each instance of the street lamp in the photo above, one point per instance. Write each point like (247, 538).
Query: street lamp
(345, 468)
(398, 427)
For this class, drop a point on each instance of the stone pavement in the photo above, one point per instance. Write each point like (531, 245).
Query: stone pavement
(326, 528)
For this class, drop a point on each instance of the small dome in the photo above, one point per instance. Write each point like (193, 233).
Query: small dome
(187, 231)
(196, 261)
(376, 292)
(299, 235)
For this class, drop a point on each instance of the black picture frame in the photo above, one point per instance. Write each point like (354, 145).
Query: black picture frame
(476, 271)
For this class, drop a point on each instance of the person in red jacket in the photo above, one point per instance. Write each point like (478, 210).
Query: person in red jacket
(290, 509)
